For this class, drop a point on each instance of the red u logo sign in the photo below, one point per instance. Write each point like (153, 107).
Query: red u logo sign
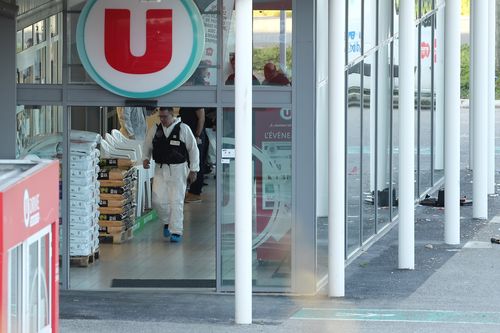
(158, 41)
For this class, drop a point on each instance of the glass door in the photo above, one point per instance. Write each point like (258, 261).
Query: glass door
(272, 193)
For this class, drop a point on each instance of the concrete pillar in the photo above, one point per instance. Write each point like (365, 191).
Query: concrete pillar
(243, 161)
(336, 148)
(407, 51)
(452, 123)
(480, 108)
(471, 87)
(491, 96)
(8, 80)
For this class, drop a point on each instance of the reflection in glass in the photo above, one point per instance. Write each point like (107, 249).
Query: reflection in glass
(45, 280)
(33, 285)
(386, 194)
(425, 109)
(39, 33)
(19, 41)
(53, 26)
(395, 127)
(368, 107)
(395, 23)
(353, 163)
(438, 106)
(27, 37)
(354, 33)
(427, 6)
(385, 13)
(208, 62)
(15, 291)
(38, 60)
(272, 42)
(417, 84)
(370, 24)
(39, 130)
(272, 158)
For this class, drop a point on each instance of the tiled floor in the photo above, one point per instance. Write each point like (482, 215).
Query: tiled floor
(149, 256)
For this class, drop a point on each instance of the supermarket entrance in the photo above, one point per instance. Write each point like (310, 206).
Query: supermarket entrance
(116, 239)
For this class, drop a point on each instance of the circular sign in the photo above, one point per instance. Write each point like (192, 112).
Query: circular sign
(140, 49)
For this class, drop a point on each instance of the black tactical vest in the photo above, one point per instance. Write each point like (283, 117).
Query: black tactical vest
(169, 150)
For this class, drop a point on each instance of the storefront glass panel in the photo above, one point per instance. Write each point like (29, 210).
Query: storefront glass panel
(425, 110)
(272, 43)
(438, 94)
(353, 163)
(354, 33)
(427, 6)
(15, 303)
(272, 198)
(395, 127)
(44, 271)
(395, 23)
(383, 129)
(368, 115)
(370, 17)
(38, 53)
(39, 130)
(33, 276)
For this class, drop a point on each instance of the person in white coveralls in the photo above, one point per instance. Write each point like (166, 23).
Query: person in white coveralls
(173, 148)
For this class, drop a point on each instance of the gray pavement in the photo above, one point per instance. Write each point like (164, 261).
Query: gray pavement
(452, 289)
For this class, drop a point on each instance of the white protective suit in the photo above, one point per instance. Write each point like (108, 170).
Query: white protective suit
(170, 181)
(132, 122)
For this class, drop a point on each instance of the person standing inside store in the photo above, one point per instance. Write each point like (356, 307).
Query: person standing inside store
(274, 77)
(230, 78)
(195, 119)
(171, 144)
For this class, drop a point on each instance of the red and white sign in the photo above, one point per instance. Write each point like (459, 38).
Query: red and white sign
(29, 219)
(140, 49)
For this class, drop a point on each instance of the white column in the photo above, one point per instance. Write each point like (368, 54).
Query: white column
(407, 54)
(336, 148)
(452, 124)
(491, 96)
(243, 160)
(439, 86)
(480, 90)
(471, 87)
(384, 96)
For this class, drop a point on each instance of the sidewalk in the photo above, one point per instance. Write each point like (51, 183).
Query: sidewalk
(452, 289)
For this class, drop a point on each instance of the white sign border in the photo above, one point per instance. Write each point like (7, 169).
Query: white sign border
(193, 61)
